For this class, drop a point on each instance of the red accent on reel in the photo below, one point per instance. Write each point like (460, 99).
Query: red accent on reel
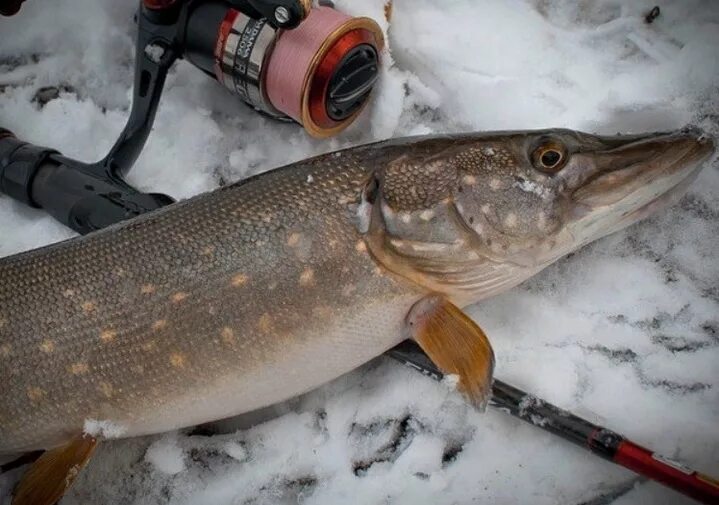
(321, 80)
(222, 34)
(158, 5)
(684, 480)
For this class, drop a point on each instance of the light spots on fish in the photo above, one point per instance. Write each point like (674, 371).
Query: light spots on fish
(228, 336)
(178, 360)
(78, 368)
(322, 312)
(379, 272)
(160, 324)
(307, 277)
(5, 350)
(88, 307)
(310, 179)
(348, 290)
(108, 335)
(47, 346)
(346, 199)
(294, 239)
(426, 215)
(138, 369)
(486, 208)
(240, 280)
(179, 297)
(489, 151)
(405, 217)
(106, 389)
(35, 394)
(208, 251)
(300, 244)
(147, 289)
(149, 346)
(68, 293)
(265, 323)
(363, 214)
(387, 211)
(511, 220)
(469, 180)
(361, 246)
(333, 244)
(495, 184)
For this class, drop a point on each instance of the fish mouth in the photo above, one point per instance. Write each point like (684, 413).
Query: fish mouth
(639, 175)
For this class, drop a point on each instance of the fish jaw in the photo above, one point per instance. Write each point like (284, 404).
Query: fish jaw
(473, 215)
(636, 180)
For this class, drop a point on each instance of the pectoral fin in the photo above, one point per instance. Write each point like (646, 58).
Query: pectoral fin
(52, 474)
(455, 344)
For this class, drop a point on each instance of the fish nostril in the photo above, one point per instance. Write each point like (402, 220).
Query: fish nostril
(692, 130)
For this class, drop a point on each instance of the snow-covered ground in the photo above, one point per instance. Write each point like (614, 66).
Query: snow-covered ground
(625, 332)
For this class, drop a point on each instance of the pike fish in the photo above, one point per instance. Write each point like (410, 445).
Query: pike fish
(268, 288)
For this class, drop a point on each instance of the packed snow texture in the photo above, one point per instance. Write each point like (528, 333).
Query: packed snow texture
(625, 332)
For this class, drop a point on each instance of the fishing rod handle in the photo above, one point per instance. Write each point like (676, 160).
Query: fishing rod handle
(79, 195)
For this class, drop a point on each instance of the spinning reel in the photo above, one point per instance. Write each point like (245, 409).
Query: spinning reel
(286, 59)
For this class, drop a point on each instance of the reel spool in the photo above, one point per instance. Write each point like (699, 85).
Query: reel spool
(319, 74)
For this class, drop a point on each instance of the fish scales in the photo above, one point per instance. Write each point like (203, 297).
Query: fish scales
(223, 293)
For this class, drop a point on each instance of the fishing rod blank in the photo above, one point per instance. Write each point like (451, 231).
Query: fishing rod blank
(597, 439)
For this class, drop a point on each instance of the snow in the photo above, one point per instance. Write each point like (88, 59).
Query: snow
(532, 187)
(155, 52)
(625, 332)
(103, 429)
(166, 456)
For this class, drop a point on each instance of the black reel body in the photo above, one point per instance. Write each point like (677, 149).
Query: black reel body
(230, 40)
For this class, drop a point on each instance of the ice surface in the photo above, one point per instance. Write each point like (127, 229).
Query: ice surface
(625, 332)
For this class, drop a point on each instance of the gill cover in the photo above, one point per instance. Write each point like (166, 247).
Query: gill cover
(419, 225)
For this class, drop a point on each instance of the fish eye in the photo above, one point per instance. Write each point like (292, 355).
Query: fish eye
(549, 157)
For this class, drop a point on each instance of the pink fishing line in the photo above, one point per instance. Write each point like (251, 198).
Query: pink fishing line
(293, 55)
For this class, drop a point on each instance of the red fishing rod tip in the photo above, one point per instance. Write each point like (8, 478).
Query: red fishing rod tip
(675, 475)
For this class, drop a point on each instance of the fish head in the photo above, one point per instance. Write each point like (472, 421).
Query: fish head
(474, 214)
